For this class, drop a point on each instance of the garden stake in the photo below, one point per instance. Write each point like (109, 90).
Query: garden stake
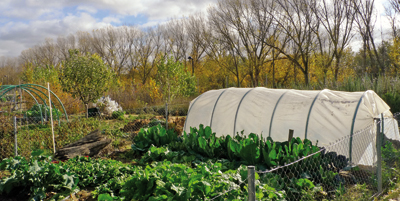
(51, 120)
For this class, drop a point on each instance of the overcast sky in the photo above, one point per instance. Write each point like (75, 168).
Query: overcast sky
(25, 23)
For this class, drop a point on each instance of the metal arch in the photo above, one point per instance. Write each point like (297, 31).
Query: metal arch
(215, 105)
(309, 112)
(59, 101)
(273, 113)
(52, 103)
(352, 126)
(237, 110)
(44, 102)
(3, 88)
(8, 88)
(11, 88)
(187, 116)
(40, 109)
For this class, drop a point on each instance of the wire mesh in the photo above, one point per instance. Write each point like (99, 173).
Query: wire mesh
(34, 131)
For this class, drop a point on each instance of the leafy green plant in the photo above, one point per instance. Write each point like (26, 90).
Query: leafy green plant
(202, 141)
(118, 115)
(157, 136)
(166, 180)
(35, 177)
(38, 111)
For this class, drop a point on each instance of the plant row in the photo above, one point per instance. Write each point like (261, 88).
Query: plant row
(33, 179)
(319, 171)
(203, 144)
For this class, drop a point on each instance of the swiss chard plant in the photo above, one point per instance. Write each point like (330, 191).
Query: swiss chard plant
(156, 135)
(203, 141)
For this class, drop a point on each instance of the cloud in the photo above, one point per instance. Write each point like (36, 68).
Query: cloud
(17, 36)
(110, 20)
(14, 47)
(28, 9)
(87, 9)
(25, 23)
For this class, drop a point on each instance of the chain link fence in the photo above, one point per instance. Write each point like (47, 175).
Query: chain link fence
(22, 132)
(356, 167)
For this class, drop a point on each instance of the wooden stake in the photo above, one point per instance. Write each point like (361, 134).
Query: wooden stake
(290, 135)
(51, 119)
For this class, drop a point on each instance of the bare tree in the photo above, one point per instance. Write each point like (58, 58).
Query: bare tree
(10, 69)
(147, 49)
(223, 53)
(297, 23)
(27, 56)
(223, 43)
(195, 27)
(44, 54)
(64, 44)
(395, 5)
(177, 39)
(392, 11)
(333, 37)
(244, 27)
(131, 33)
(365, 20)
(85, 42)
(271, 36)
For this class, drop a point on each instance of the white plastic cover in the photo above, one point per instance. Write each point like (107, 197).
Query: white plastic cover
(107, 105)
(324, 116)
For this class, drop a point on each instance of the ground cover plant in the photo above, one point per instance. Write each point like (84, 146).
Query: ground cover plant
(196, 165)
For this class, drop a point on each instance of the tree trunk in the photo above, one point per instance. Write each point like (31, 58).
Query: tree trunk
(90, 145)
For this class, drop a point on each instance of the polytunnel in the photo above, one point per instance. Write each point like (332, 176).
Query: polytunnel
(318, 115)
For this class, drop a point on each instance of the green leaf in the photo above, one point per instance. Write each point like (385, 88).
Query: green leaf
(202, 143)
(68, 181)
(207, 132)
(179, 190)
(105, 197)
(34, 169)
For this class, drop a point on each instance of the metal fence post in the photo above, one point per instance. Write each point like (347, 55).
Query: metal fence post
(379, 154)
(15, 137)
(166, 116)
(252, 183)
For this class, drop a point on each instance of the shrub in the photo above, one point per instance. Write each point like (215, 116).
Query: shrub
(118, 115)
(393, 100)
(37, 110)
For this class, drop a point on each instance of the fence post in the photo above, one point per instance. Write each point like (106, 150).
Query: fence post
(379, 154)
(166, 116)
(252, 183)
(290, 135)
(15, 136)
